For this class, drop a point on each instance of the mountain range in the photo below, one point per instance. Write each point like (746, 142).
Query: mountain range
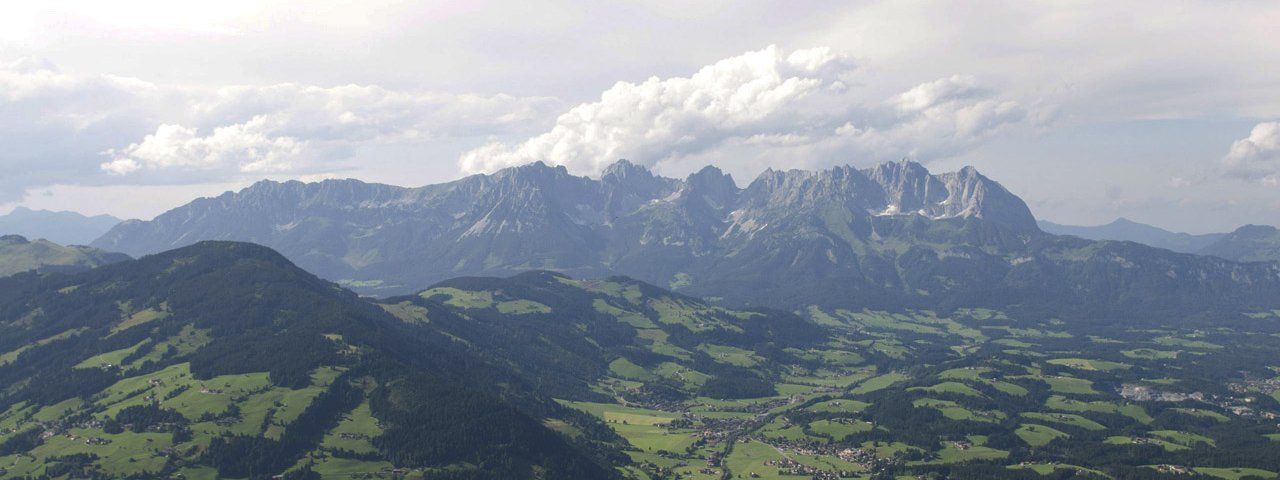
(890, 235)
(67, 228)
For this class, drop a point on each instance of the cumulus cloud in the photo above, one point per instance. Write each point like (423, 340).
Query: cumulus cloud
(936, 119)
(770, 106)
(929, 95)
(245, 147)
(1257, 157)
(751, 94)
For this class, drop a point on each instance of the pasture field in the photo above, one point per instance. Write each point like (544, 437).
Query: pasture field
(841, 397)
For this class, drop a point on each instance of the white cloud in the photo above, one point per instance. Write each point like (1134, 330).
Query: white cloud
(1256, 157)
(304, 129)
(36, 87)
(750, 94)
(928, 95)
(1133, 60)
(246, 147)
(766, 107)
(938, 119)
(374, 113)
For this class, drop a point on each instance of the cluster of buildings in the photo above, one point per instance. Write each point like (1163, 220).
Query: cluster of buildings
(1266, 386)
(1173, 469)
(788, 466)
(866, 458)
(97, 441)
(1240, 406)
(1143, 393)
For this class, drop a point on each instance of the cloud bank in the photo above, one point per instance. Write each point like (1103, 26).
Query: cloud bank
(767, 104)
(62, 128)
(304, 129)
(769, 107)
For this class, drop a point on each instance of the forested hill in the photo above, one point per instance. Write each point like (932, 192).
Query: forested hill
(19, 254)
(1250, 243)
(565, 335)
(225, 358)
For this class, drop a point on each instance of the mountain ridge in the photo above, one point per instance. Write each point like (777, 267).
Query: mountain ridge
(573, 214)
(892, 235)
(1250, 243)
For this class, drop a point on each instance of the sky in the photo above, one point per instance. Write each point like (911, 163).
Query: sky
(1165, 112)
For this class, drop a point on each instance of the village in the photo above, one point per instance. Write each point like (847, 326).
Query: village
(1243, 405)
(867, 458)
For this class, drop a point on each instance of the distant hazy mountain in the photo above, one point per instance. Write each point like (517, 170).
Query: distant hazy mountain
(17, 255)
(891, 235)
(1250, 243)
(67, 228)
(1123, 229)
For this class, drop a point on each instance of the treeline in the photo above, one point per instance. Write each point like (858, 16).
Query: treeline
(259, 457)
(564, 352)
(423, 430)
(140, 418)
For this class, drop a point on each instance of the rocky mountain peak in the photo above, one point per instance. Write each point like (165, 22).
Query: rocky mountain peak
(971, 194)
(634, 178)
(538, 169)
(623, 169)
(891, 189)
(536, 179)
(908, 186)
(711, 181)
